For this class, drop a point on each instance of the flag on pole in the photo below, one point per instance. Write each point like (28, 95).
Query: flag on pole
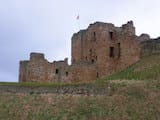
(77, 18)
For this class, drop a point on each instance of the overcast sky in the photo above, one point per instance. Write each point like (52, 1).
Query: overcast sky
(47, 26)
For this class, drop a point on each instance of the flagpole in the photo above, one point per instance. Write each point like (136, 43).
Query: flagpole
(77, 18)
(78, 25)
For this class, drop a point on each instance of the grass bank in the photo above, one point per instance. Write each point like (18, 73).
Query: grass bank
(128, 102)
(148, 68)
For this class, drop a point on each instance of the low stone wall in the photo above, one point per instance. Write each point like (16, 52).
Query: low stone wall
(84, 89)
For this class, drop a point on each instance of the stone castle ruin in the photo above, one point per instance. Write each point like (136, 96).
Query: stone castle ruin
(98, 51)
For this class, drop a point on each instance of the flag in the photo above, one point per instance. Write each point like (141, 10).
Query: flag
(77, 18)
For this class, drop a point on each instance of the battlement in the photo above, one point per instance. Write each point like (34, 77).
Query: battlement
(128, 24)
(128, 28)
(36, 56)
(61, 62)
(100, 24)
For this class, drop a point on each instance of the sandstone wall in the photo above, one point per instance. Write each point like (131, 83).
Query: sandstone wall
(149, 47)
(38, 69)
(106, 47)
(23, 71)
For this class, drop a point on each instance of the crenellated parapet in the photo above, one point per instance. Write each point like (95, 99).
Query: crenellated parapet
(129, 28)
(36, 56)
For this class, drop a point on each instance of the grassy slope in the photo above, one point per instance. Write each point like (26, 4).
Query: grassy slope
(148, 68)
(134, 96)
(126, 104)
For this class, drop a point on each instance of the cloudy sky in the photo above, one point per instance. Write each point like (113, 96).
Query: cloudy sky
(47, 26)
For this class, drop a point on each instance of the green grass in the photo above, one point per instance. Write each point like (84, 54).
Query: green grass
(148, 68)
(131, 102)
(39, 84)
(9, 83)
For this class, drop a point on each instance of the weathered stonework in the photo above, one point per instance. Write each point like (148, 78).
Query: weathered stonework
(98, 51)
(151, 46)
(38, 69)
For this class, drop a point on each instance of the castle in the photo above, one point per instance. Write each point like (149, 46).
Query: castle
(98, 51)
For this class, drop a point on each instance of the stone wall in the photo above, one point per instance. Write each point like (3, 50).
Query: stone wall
(80, 89)
(38, 69)
(149, 47)
(23, 71)
(106, 47)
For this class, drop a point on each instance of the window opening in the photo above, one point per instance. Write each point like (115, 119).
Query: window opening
(111, 52)
(97, 75)
(119, 50)
(94, 36)
(92, 61)
(90, 52)
(57, 71)
(111, 35)
(66, 73)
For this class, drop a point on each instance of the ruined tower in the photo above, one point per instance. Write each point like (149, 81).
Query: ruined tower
(98, 51)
